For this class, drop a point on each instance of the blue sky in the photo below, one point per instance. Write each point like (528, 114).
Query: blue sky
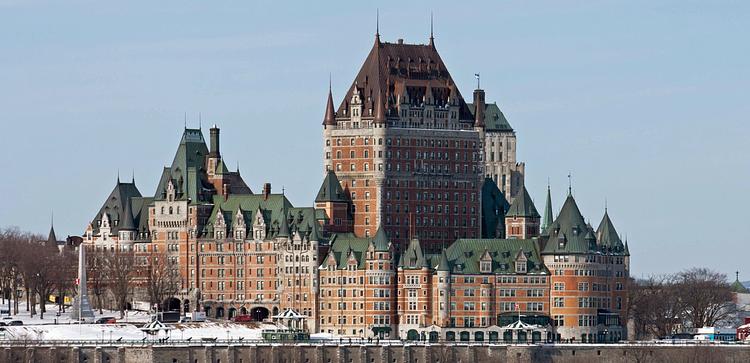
(646, 103)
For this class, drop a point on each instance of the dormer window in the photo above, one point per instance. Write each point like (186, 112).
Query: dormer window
(521, 267)
(485, 266)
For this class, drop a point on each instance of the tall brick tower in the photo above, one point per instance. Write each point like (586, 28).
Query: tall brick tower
(407, 148)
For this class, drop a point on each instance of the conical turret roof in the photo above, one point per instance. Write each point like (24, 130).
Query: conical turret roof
(567, 233)
(381, 240)
(443, 264)
(607, 235)
(330, 115)
(331, 190)
(522, 206)
(127, 223)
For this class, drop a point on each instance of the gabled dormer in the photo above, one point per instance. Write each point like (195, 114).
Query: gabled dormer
(521, 262)
(485, 262)
(259, 225)
(239, 227)
(220, 225)
(171, 192)
(355, 105)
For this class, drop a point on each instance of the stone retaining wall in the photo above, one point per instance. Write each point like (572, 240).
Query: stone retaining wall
(373, 354)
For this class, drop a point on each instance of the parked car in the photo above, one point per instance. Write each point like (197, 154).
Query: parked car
(15, 323)
(243, 319)
(186, 319)
(106, 320)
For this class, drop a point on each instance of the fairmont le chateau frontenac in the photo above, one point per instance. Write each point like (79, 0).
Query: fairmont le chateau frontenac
(422, 227)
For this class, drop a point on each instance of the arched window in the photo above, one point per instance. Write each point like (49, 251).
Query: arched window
(170, 210)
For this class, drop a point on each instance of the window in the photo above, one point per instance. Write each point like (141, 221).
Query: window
(559, 302)
(559, 320)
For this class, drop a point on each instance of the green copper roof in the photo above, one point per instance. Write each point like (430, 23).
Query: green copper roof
(738, 287)
(494, 207)
(344, 244)
(567, 233)
(465, 255)
(607, 235)
(330, 190)
(413, 257)
(381, 240)
(276, 211)
(443, 263)
(547, 213)
(187, 171)
(494, 120)
(522, 206)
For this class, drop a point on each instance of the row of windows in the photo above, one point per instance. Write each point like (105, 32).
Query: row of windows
(408, 142)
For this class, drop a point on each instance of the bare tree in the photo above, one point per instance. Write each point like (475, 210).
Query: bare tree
(120, 274)
(95, 274)
(47, 259)
(656, 307)
(65, 274)
(10, 273)
(161, 277)
(706, 296)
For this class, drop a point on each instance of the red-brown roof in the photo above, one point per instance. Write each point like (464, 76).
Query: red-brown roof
(413, 72)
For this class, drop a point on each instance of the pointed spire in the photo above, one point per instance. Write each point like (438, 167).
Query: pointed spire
(377, 26)
(570, 184)
(52, 238)
(132, 177)
(118, 176)
(330, 116)
(432, 38)
(547, 221)
(284, 228)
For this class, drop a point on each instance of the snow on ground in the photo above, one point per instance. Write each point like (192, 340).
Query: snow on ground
(131, 316)
(107, 332)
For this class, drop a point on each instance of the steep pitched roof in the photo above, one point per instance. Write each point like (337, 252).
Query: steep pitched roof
(127, 223)
(522, 206)
(494, 207)
(114, 205)
(464, 255)
(393, 70)
(187, 171)
(381, 240)
(443, 263)
(547, 213)
(52, 238)
(413, 257)
(607, 235)
(330, 190)
(342, 244)
(330, 115)
(494, 120)
(567, 233)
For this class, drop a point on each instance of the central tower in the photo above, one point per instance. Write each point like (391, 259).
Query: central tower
(406, 148)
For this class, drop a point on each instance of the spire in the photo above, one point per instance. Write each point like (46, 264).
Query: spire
(570, 184)
(52, 238)
(547, 211)
(284, 228)
(118, 176)
(432, 38)
(379, 112)
(377, 26)
(330, 116)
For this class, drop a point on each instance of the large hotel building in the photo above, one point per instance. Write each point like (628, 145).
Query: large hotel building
(421, 229)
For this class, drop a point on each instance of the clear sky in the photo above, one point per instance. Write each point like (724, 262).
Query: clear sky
(645, 102)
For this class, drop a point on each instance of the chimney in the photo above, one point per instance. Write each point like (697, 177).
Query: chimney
(479, 107)
(266, 190)
(400, 40)
(214, 151)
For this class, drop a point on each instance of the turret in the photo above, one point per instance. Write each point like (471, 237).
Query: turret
(479, 104)
(214, 147)
(330, 115)
(547, 221)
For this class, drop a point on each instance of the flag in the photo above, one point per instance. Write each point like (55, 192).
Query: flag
(476, 75)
